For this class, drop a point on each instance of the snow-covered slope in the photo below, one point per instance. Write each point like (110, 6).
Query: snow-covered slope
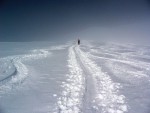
(67, 78)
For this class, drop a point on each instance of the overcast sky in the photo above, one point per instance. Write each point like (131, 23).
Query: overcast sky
(42, 20)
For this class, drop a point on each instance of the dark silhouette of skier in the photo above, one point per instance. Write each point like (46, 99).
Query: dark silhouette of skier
(78, 41)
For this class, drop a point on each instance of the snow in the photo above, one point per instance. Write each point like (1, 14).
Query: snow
(94, 77)
(71, 99)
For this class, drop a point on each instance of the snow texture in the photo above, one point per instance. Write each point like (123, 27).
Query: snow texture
(94, 77)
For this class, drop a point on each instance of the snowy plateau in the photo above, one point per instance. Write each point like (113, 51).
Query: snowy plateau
(94, 77)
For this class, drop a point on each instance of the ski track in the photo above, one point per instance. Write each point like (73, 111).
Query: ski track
(137, 74)
(71, 99)
(122, 57)
(132, 71)
(16, 71)
(88, 87)
(107, 98)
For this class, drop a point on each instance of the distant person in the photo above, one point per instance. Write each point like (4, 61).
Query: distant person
(78, 41)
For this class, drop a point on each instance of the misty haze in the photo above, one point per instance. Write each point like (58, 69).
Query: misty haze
(74, 56)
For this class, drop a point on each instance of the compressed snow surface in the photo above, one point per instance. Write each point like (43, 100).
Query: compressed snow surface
(68, 78)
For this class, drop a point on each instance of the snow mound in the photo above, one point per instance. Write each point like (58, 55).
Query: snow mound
(13, 71)
(7, 69)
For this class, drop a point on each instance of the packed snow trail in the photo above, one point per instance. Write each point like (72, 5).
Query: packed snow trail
(121, 64)
(71, 100)
(108, 99)
(89, 92)
(88, 89)
(91, 78)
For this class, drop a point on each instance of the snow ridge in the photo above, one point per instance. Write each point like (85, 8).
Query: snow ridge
(108, 99)
(14, 71)
(71, 100)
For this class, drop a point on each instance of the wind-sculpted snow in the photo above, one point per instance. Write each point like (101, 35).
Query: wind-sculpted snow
(13, 74)
(71, 99)
(7, 68)
(60, 47)
(108, 99)
(13, 71)
(124, 64)
(127, 65)
(135, 68)
(89, 78)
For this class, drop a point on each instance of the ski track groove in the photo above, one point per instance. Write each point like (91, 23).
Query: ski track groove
(130, 63)
(108, 99)
(77, 95)
(89, 93)
(71, 99)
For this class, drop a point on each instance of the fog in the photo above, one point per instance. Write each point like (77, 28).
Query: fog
(63, 20)
(137, 33)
